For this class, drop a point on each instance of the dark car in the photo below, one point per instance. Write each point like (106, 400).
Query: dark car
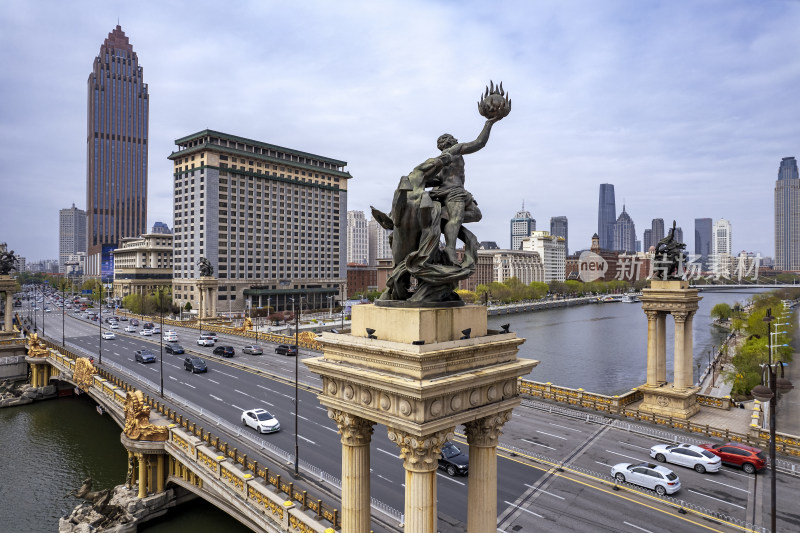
(734, 453)
(145, 356)
(284, 349)
(253, 350)
(224, 351)
(148, 325)
(173, 348)
(124, 319)
(195, 365)
(134, 322)
(453, 461)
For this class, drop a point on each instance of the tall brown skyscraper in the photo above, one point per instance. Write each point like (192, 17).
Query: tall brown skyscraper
(116, 151)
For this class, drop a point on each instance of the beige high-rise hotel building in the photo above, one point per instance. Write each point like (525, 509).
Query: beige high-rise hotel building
(272, 221)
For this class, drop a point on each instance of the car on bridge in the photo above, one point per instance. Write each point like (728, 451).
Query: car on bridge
(261, 420)
(211, 335)
(173, 347)
(224, 351)
(654, 477)
(134, 322)
(146, 332)
(170, 336)
(113, 325)
(205, 341)
(285, 349)
(453, 460)
(130, 329)
(145, 356)
(687, 455)
(107, 335)
(750, 459)
(195, 365)
(252, 349)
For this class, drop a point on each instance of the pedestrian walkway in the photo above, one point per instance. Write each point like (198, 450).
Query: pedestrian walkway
(787, 418)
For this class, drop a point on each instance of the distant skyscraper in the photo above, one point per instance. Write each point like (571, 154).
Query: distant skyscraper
(624, 233)
(560, 228)
(722, 237)
(161, 228)
(787, 216)
(521, 227)
(657, 230)
(71, 234)
(702, 240)
(116, 151)
(647, 240)
(378, 241)
(357, 238)
(606, 216)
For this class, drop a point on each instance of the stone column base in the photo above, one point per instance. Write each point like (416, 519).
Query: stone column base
(666, 401)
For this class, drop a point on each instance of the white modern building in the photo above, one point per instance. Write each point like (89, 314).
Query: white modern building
(524, 265)
(521, 227)
(357, 238)
(552, 251)
(379, 247)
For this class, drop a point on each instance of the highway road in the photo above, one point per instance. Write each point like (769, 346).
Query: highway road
(553, 470)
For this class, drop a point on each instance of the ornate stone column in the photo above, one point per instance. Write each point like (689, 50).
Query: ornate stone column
(652, 349)
(679, 369)
(661, 348)
(688, 350)
(142, 475)
(9, 328)
(356, 435)
(420, 461)
(160, 474)
(482, 436)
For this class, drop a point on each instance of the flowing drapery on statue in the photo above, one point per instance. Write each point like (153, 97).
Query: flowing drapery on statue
(431, 203)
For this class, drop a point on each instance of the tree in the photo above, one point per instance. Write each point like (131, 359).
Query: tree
(467, 296)
(721, 311)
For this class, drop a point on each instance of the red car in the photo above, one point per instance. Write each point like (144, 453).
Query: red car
(733, 453)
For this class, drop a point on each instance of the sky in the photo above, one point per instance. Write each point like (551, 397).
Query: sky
(687, 107)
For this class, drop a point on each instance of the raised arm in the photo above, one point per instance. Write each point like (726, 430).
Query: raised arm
(477, 144)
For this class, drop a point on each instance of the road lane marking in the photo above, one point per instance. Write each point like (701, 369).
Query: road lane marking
(236, 406)
(634, 445)
(637, 527)
(173, 378)
(388, 453)
(212, 381)
(307, 440)
(216, 397)
(385, 478)
(522, 509)
(544, 492)
(713, 498)
(623, 455)
(229, 375)
(537, 444)
(565, 427)
(551, 435)
(725, 484)
(188, 385)
(450, 478)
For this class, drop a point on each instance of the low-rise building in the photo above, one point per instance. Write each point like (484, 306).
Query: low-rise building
(142, 264)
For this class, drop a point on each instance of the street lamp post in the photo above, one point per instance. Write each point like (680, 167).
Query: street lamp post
(161, 359)
(296, 404)
(100, 324)
(769, 393)
(330, 304)
(63, 312)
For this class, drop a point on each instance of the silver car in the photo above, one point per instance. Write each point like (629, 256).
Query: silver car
(653, 477)
(687, 455)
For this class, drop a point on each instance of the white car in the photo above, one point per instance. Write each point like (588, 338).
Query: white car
(146, 332)
(108, 335)
(205, 342)
(653, 477)
(170, 336)
(261, 420)
(156, 330)
(687, 455)
(113, 325)
(130, 329)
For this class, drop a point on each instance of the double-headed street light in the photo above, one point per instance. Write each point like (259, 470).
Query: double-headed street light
(296, 403)
(769, 393)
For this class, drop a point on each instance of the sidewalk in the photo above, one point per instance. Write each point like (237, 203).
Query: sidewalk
(787, 418)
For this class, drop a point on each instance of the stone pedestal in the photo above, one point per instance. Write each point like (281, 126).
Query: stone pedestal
(7, 287)
(208, 287)
(420, 380)
(678, 398)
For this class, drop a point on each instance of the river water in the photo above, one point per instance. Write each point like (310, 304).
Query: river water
(603, 347)
(49, 448)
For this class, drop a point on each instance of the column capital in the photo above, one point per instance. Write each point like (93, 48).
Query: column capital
(680, 316)
(485, 432)
(355, 431)
(652, 315)
(420, 454)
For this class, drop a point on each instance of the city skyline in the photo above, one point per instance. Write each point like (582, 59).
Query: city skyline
(353, 82)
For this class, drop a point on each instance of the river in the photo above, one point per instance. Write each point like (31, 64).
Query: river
(603, 347)
(49, 448)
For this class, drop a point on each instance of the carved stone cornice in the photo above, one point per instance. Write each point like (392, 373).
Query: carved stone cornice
(484, 432)
(355, 431)
(420, 454)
